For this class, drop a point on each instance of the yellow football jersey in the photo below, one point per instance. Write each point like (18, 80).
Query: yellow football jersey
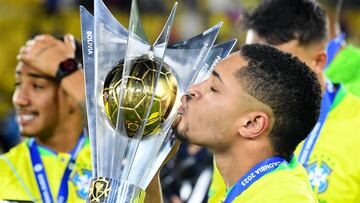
(334, 166)
(287, 183)
(345, 69)
(18, 180)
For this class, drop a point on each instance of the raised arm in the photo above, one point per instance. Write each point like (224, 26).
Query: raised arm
(46, 53)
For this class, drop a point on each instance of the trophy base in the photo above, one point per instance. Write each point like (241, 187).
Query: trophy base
(108, 190)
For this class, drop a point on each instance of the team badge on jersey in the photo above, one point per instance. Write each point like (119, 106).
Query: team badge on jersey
(82, 182)
(319, 174)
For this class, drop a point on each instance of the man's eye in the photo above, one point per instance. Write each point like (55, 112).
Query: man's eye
(17, 84)
(39, 87)
(212, 89)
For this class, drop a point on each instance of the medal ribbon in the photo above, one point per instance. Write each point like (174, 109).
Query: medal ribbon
(326, 103)
(311, 139)
(40, 174)
(333, 47)
(258, 171)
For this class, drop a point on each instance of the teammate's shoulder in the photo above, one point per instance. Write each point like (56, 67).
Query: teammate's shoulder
(10, 161)
(280, 187)
(293, 177)
(348, 107)
(15, 153)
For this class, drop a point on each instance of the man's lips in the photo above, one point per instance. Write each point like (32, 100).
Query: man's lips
(25, 117)
(182, 108)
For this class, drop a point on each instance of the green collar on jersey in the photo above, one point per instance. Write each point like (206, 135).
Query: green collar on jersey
(45, 151)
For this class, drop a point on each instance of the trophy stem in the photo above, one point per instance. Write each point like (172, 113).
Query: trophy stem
(108, 190)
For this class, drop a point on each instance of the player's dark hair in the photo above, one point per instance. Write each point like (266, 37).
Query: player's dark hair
(288, 87)
(280, 21)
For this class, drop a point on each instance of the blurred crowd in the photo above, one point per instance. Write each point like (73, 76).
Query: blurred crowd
(22, 19)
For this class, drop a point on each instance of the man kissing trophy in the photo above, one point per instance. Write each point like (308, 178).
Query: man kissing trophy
(133, 91)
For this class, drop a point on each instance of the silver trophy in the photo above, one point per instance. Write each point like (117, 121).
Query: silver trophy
(133, 91)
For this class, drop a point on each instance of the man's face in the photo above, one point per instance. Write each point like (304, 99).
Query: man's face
(211, 112)
(38, 102)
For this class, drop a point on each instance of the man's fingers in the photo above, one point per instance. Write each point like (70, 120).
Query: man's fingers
(30, 43)
(32, 46)
(39, 37)
(69, 40)
(28, 50)
(24, 53)
(23, 57)
(23, 50)
(44, 38)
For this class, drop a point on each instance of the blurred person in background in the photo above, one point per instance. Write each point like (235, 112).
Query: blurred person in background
(53, 163)
(9, 132)
(299, 27)
(343, 59)
(186, 177)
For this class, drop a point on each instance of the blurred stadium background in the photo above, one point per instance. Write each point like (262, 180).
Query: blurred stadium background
(22, 19)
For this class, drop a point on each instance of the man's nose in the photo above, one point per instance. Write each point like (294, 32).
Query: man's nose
(21, 97)
(194, 92)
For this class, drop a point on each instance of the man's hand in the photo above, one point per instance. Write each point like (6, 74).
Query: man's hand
(153, 191)
(45, 52)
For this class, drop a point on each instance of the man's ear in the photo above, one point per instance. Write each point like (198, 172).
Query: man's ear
(253, 125)
(74, 106)
(319, 61)
(71, 102)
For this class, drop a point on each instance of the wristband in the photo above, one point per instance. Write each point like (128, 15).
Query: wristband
(66, 68)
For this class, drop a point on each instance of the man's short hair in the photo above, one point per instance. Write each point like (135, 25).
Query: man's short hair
(280, 21)
(288, 87)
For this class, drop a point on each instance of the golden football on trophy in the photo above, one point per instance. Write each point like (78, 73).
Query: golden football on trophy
(138, 93)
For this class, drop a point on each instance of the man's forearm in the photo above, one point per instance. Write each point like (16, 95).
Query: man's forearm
(74, 86)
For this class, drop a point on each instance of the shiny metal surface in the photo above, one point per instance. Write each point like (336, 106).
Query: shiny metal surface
(139, 90)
